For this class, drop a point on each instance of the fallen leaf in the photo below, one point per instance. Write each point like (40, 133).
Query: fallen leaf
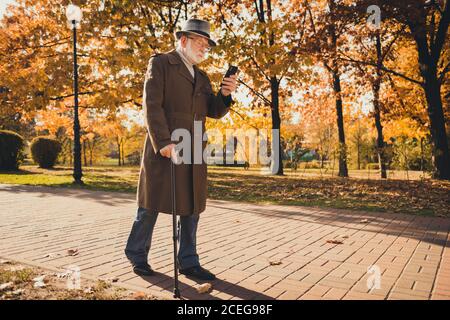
(204, 288)
(88, 290)
(51, 255)
(17, 292)
(63, 275)
(139, 295)
(6, 285)
(40, 278)
(72, 252)
(335, 241)
(39, 284)
(275, 262)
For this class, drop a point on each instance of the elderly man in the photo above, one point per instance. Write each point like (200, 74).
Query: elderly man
(176, 93)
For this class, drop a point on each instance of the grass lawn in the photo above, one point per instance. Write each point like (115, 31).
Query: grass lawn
(21, 282)
(310, 187)
(108, 178)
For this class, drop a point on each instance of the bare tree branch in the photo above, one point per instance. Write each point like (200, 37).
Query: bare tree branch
(398, 74)
(267, 101)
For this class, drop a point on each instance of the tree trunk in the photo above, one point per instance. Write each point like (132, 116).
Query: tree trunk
(276, 123)
(380, 139)
(441, 157)
(70, 153)
(123, 152)
(275, 87)
(358, 150)
(91, 151)
(334, 70)
(377, 111)
(84, 153)
(118, 149)
(429, 48)
(343, 171)
(421, 155)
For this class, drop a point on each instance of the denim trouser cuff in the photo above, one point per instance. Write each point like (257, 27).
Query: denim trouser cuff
(139, 241)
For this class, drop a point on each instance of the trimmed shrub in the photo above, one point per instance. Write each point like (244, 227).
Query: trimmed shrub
(11, 150)
(45, 151)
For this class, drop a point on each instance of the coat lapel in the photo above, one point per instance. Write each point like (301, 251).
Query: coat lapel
(201, 79)
(198, 79)
(174, 58)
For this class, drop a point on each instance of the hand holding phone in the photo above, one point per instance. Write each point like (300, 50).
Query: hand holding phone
(231, 70)
(229, 84)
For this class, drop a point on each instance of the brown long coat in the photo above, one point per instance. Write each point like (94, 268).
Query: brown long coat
(172, 99)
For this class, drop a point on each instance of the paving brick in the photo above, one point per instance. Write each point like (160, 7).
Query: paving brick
(413, 253)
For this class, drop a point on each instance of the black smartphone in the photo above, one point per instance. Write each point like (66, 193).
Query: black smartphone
(231, 70)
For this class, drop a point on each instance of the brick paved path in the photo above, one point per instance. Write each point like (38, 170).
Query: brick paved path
(236, 241)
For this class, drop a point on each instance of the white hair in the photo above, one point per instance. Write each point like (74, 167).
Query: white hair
(178, 42)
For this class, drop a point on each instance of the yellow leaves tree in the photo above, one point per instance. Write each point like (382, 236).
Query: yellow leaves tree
(258, 37)
(114, 128)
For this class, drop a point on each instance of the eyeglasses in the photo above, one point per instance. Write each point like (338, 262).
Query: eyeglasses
(201, 44)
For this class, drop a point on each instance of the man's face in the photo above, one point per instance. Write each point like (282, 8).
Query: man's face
(195, 48)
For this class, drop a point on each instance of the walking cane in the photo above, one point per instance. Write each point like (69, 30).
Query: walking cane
(176, 290)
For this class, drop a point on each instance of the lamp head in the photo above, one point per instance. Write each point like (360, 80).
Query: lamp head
(74, 13)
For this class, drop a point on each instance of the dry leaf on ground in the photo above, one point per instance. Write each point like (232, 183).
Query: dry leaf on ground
(204, 288)
(51, 255)
(72, 252)
(5, 286)
(335, 241)
(139, 295)
(39, 282)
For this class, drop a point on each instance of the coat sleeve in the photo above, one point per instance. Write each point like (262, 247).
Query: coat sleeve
(219, 105)
(155, 119)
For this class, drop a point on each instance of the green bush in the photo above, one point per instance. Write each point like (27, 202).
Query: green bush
(11, 150)
(45, 151)
(411, 154)
(290, 164)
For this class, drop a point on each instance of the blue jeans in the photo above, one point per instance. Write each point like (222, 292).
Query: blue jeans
(140, 238)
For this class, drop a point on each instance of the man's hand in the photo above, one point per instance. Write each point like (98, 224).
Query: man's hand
(167, 150)
(229, 85)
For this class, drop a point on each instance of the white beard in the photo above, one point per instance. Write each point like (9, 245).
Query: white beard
(191, 55)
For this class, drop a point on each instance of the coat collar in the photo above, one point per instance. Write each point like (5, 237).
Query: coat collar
(174, 58)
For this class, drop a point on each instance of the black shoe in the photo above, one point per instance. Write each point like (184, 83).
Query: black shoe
(143, 270)
(198, 272)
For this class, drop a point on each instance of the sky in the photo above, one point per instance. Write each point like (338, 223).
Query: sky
(3, 4)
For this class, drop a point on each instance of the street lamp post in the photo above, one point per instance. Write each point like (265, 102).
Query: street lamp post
(74, 16)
